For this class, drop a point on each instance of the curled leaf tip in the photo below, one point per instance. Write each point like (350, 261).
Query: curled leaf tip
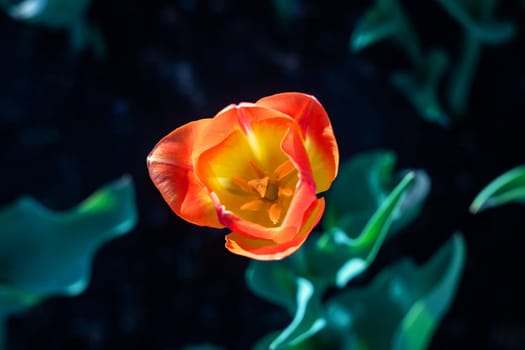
(506, 188)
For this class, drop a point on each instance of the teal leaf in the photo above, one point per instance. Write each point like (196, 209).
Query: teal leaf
(380, 22)
(404, 304)
(363, 183)
(420, 87)
(506, 188)
(51, 13)
(274, 281)
(463, 74)
(479, 28)
(339, 258)
(386, 20)
(61, 14)
(44, 252)
(265, 342)
(325, 339)
(476, 18)
(308, 319)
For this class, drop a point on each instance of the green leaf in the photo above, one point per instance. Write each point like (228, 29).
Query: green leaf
(274, 281)
(339, 258)
(476, 17)
(506, 188)
(308, 318)
(325, 339)
(385, 20)
(51, 13)
(420, 87)
(362, 185)
(380, 22)
(44, 253)
(61, 14)
(265, 342)
(479, 28)
(404, 304)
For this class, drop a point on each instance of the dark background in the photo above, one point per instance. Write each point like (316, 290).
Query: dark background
(68, 125)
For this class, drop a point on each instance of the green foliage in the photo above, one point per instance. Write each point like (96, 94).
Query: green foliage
(369, 177)
(335, 257)
(403, 305)
(506, 188)
(341, 258)
(420, 86)
(45, 253)
(386, 19)
(60, 14)
(402, 318)
(475, 17)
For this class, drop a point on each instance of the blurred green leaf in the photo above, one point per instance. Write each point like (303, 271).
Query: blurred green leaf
(274, 281)
(324, 339)
(384, 20)
(44, 253)
(463, 75)
(476, 17)
(506, 188)
(265, 342)
(420, 86)
(339, 258)
(51, 13)
(308, 318)
(404, 304)
(479, 28)
(380, 22)
(60, 14)
(362, 185)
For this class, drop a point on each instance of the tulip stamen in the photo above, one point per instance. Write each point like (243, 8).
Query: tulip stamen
(274, 213)
(260, 173)
(271, 191)
(283, 170)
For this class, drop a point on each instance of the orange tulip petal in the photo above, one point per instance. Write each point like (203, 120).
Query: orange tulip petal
(270, 250)
(254, 168)
(171, 170)
(230, 119)
(317, 131)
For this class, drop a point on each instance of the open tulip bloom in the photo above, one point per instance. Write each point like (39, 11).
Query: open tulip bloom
(254, 168)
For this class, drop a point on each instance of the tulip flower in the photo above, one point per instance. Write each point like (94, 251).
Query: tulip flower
(254, 168)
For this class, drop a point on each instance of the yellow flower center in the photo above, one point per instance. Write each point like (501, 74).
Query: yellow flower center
(270, 193)
(250, 174)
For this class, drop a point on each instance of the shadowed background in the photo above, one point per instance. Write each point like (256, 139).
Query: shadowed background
(70, 123)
